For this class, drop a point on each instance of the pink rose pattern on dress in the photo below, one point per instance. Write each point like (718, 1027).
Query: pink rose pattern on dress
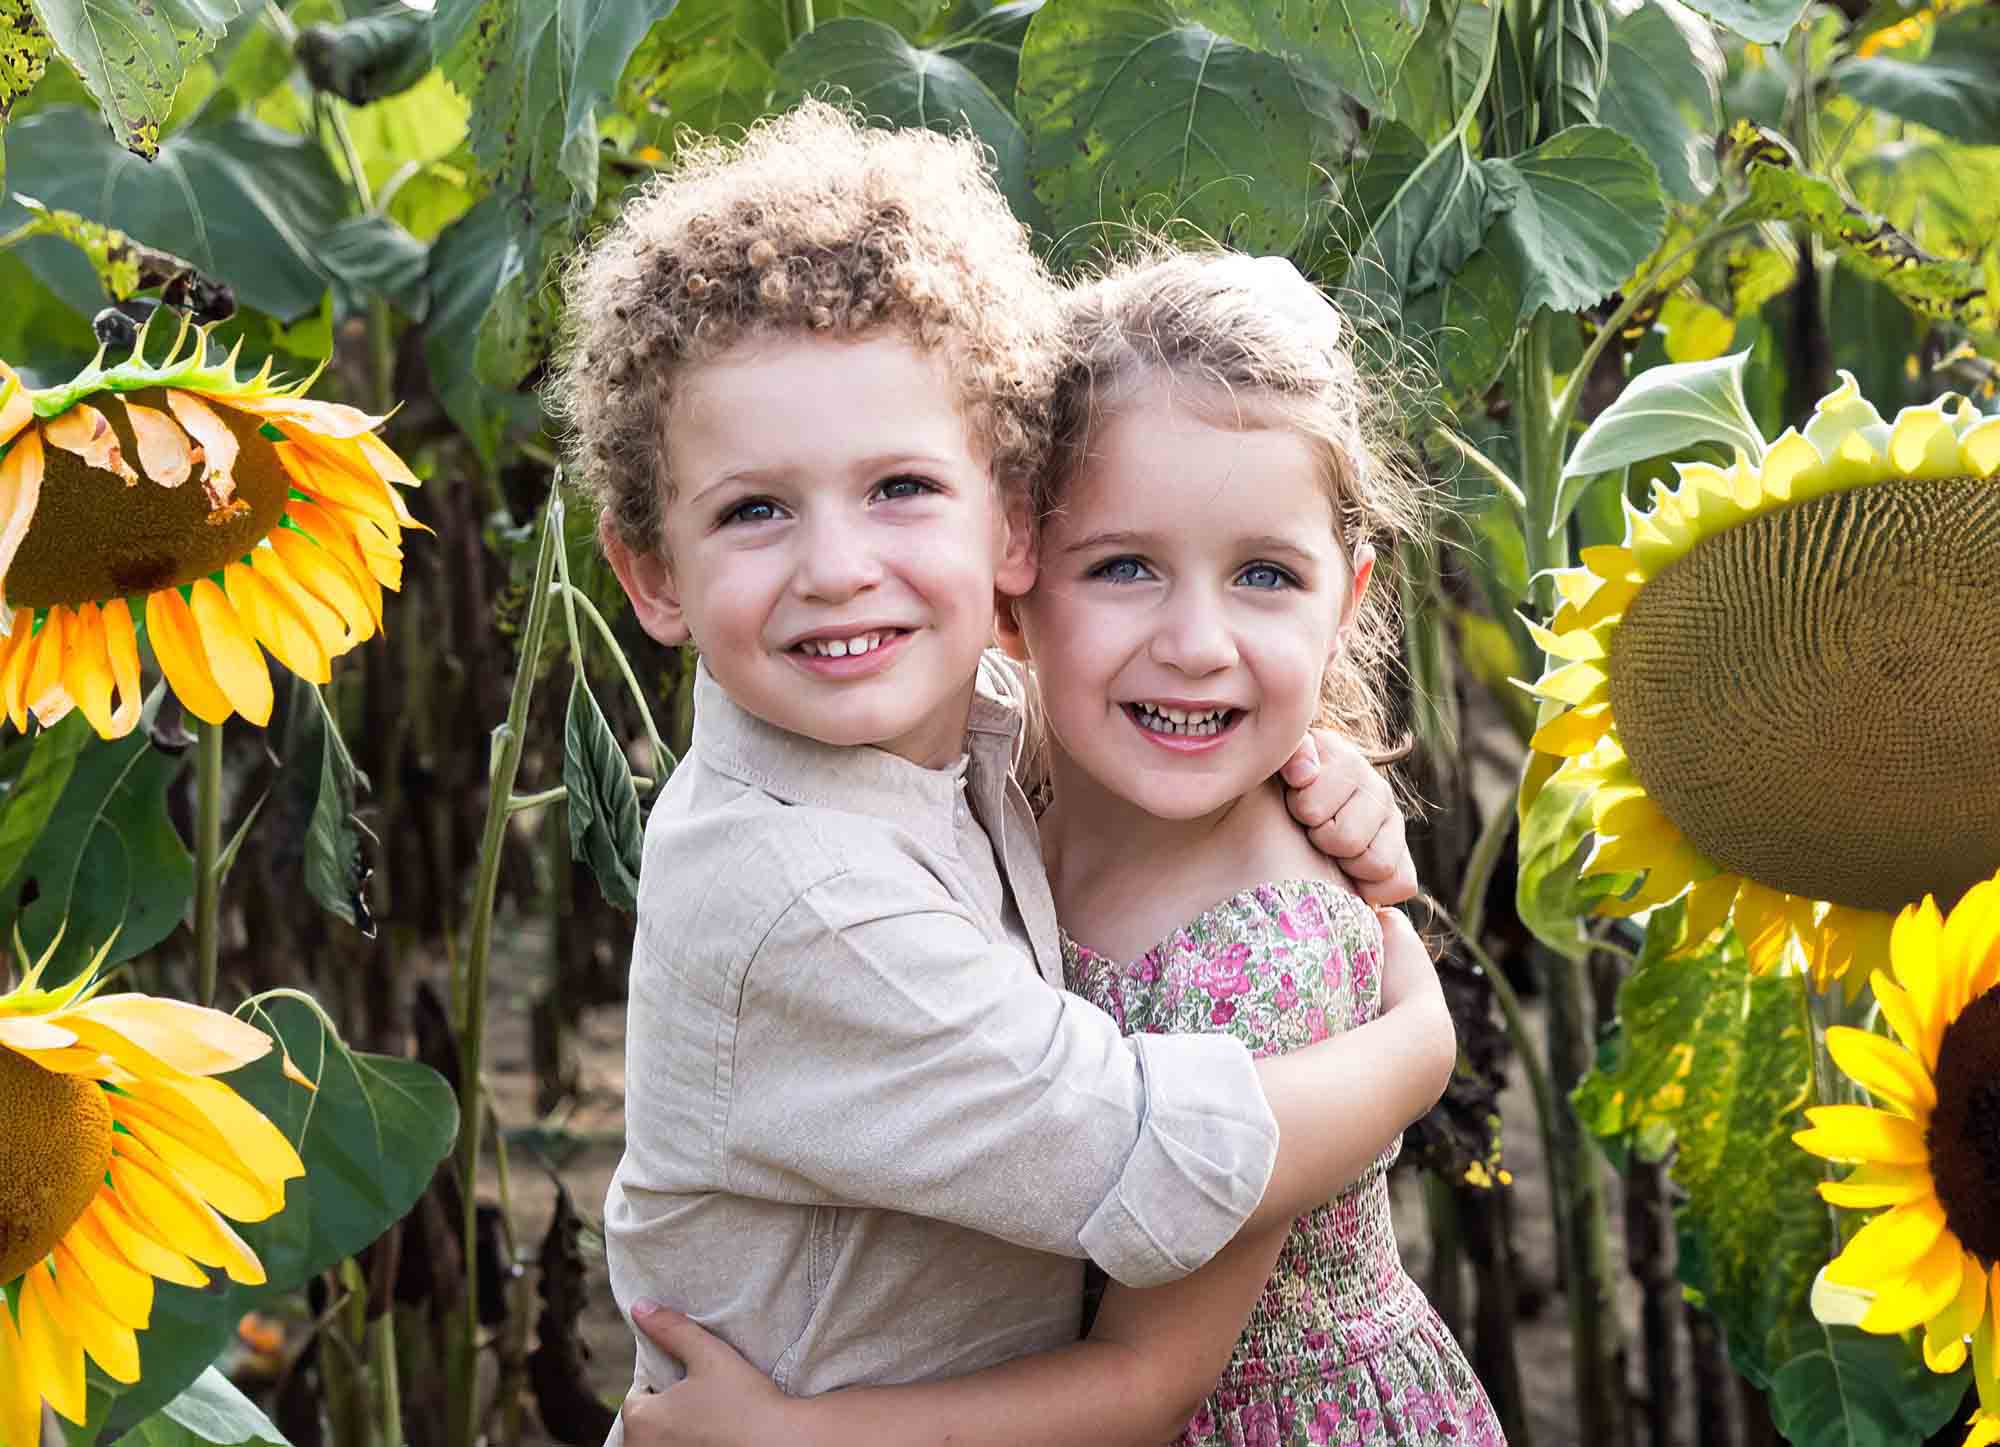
(1342, 1349)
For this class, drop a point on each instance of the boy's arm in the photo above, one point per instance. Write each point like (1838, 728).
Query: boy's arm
(1349, 813)
(1151, 1358)
(1152, 1355)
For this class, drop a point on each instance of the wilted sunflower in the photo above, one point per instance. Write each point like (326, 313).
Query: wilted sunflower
(1930, 1151)
(117, 1152)
(1783, 691)
(237, 511)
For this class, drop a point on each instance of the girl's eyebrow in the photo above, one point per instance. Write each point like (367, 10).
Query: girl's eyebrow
(1110, 538)
(1126, 538)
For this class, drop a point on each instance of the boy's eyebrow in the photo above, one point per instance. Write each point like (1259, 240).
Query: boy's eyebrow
(881, 463)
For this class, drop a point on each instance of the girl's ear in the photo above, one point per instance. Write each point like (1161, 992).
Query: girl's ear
(648, 580)
(1364, 569)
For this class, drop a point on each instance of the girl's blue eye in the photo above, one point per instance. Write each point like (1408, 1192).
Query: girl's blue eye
(1265, 575)
(751, 510)
(1120, 570)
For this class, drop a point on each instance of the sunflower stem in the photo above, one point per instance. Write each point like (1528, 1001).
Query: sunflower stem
(388, 1382)
(508, 742)
(663, 757)
(207, 858)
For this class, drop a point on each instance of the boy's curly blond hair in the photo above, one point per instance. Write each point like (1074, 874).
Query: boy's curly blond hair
(811, 222)
(1258, 344)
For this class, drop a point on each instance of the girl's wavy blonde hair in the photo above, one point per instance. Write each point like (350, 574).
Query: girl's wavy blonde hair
(1255, 344)
(811, 222)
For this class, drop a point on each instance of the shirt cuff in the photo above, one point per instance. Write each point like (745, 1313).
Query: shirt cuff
(1204, 1155)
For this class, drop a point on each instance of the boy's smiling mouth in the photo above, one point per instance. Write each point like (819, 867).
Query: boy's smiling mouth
(842, 655)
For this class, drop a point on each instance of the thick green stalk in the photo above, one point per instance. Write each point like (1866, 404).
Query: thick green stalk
(388, 1382)
(508, 742)
(207, 858)
(799, 17)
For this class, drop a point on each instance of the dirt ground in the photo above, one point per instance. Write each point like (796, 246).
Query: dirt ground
(583, 1141)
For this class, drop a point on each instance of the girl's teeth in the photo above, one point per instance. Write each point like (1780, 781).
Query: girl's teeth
(1179, 722)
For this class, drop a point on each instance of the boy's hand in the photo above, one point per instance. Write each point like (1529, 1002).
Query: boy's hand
(722, 1402)
(1349, 812)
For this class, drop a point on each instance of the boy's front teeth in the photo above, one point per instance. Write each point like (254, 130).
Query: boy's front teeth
(841, 647)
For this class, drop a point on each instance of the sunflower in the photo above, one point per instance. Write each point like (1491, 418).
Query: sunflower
(1930, 1151)
(119, 1157)
(1782, 692)
(234, 511)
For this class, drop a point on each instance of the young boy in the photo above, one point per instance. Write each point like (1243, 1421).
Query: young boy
(868, 1137)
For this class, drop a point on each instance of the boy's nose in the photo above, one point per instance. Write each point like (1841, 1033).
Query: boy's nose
(836, 562)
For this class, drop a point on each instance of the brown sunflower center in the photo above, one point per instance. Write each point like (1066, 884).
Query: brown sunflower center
(1964, 1135)
(1813, 696)
(96, 536)
(55, 1144)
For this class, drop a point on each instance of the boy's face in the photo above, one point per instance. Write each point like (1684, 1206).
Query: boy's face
(834, 543)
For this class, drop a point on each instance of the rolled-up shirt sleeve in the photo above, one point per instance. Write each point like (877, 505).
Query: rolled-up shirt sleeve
(901, 1059)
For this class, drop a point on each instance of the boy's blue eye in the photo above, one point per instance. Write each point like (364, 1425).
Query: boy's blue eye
(906, 485)
(751, 510)
(1265, 575)
(1120, 570)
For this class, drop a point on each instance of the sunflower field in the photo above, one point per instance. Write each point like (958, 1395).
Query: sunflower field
(328, 738)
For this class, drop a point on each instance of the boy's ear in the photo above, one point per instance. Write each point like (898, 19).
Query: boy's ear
(648, 580)
(1018, 565)
(1007, 628)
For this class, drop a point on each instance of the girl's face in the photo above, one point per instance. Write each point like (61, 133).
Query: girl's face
(1192, 591)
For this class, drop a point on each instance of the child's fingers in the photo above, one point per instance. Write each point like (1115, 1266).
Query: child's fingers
(1303, 766)
(681, 1337)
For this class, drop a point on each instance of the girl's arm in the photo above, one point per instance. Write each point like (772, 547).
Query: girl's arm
(1153, 1354)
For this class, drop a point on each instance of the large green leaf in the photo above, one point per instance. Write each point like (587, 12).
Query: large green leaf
(371, 1136)
(1586, 210)
(1660, 92)
(1954, 89)
(537, 72)
(363, 59)
(1357, 45)
(1936, 286)
(1424, 210)
(1551, 895)
(1668, 410)
(473, 260)
(1570, 63)
(319, 787)
(604, 827)
(708, 65)
(107, 862)
(1764, 21)
(244, 203)
(907, 85)
(1851, 1389)
(1719, 1061)
(908, 18)
(1470, 319)
(989, 45)
(1133, 110)
(133, 56)
(1444, 72)
(210, 1413)
(372, 256)
(35, 785)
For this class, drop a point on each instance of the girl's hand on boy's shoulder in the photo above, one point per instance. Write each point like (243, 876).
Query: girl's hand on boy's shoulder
(723, 1401)
(1349, 813)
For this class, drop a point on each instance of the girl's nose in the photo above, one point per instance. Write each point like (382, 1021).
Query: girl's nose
(1193, 638)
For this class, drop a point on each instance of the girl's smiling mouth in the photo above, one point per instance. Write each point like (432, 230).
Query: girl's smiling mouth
(1183, 729)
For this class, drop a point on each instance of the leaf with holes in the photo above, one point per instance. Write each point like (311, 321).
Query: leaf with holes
(1443, 74)
(708, 65)
(907, 85)
(604, 828)
(1358, 46)
(132, 58)
(908, 18)
(1134, 111)
(24, 53)
(989, 45)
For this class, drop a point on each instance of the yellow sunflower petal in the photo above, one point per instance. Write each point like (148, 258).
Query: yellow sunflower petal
(126, 1290)
(1945, 1335)
(170, 628)
(164, 454)
(1768, 921)
(109, 1342)
(1708, 905)
(86, 668)
(1915, 946)
(1971, 946)
(86, 432)
(1888, 1071)
(320, 572)
(258, 1143)
(191, 1225)
(20, 492)
(43, 690)
(1575, 683)
(329, 629)
(1911, 1299)
(205, 1165)
(1892, 1244)
(334, 472)
(296, 416)
(1853, 943)
(189, 1038)
(239, 667)
(1985, 1430)
(333, 535)
(218, 445)
(1862, 1133)
(1573, 733)
(49, 1346)
(1869, 1186)
(121, 646)
(1986, 1353)
(275, 623)
(17, 409)
(20, 1398)
(139, 1247)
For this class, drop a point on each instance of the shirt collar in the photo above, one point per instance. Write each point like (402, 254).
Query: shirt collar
(862, 780)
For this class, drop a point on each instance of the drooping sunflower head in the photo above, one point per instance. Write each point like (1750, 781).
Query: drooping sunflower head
(120, 1155)
(1929, 1149)
(1783, 690)
(234, 512)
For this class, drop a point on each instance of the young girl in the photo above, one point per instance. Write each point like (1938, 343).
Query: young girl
(1203, 596)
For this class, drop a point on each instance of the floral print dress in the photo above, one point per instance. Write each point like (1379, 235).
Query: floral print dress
(1342, 1347)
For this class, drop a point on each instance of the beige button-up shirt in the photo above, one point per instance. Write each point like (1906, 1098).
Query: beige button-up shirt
(868, 1136)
